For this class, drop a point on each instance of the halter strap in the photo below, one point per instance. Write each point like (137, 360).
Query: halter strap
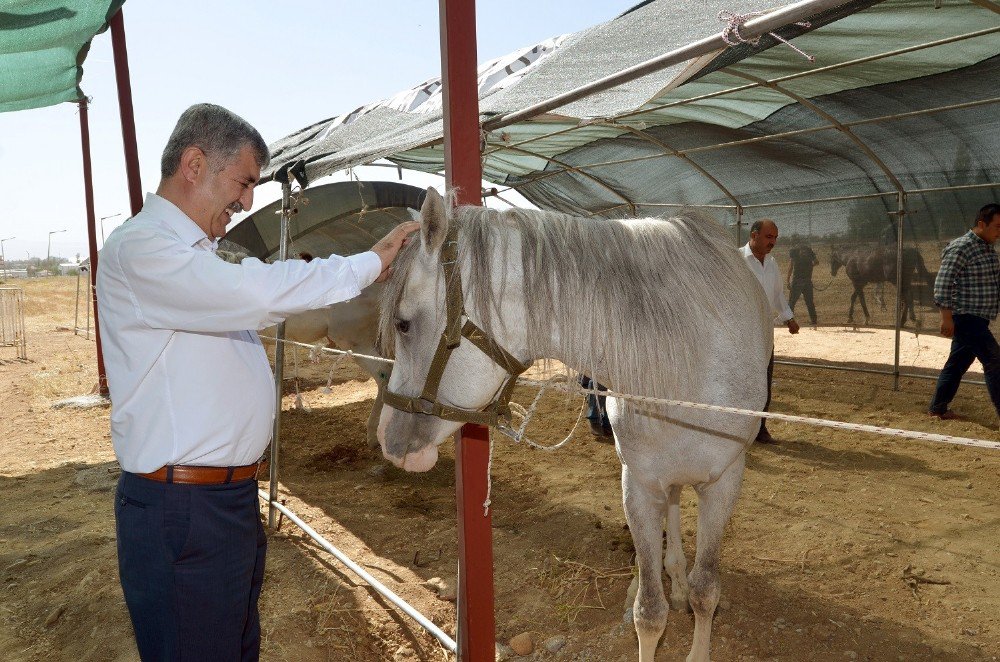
(454, 331)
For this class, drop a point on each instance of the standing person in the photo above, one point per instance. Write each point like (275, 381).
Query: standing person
(966, 290)
(192, 392)
(597, 411)
(763, 236)
(800, 274)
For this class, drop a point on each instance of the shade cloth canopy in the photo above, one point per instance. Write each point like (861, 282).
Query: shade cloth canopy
(902, 97)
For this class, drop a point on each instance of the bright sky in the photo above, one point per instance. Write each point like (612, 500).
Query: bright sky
(280, 66)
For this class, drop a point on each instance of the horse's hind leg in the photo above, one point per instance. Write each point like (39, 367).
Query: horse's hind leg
(674, 561)
(715, 505)
(864, 306)
(644, 513)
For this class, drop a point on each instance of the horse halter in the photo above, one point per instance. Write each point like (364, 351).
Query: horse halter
(454, 331)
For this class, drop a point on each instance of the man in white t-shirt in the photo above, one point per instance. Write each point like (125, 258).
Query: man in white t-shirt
(763, 237)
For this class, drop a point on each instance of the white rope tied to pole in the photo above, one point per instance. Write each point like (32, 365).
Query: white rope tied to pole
(731, 33)
(329, 379)
(333, 350)
(821, 422)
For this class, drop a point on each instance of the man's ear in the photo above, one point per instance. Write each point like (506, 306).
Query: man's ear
(193, 165)
(433, 221)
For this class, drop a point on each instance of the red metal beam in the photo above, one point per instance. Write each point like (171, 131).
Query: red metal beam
(463, 174)
(125, 110)
(88, 189)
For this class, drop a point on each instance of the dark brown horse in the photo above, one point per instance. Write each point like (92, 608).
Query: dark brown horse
(877, 264)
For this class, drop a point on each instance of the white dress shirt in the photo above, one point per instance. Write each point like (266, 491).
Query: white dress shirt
(770, 279)
(189, 379)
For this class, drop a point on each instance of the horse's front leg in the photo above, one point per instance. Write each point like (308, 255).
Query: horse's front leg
(864, 306)
(674, 561)
(644, 511)
(715, 506)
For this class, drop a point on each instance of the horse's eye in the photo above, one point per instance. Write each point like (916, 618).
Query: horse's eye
(403, 325)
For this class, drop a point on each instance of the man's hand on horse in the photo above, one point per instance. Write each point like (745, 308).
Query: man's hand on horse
(388, 247)
(793, 326)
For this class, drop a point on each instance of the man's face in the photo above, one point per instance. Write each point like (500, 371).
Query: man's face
(230, 189)
(991, 231)
(762, 241)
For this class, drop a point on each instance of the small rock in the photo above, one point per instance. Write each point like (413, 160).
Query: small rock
(445, 589)
(402, 654)
(968, 486)
(554, 644)
(504, 652)
(970, 632)
(850, 655)
(377, 470)
(54, 616)
(522, 644)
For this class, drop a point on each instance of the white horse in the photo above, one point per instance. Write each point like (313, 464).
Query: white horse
(664, 308)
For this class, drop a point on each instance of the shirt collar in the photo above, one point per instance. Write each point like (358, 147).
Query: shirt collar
(976, 238)
(747, 253)
(171, 215)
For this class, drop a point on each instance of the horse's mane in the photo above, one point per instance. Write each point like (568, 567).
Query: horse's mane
(627, 295)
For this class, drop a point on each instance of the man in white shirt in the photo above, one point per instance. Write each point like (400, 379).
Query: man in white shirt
(192, 391)
(763, 237)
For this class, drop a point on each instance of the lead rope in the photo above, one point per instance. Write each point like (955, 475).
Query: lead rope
(519, 436)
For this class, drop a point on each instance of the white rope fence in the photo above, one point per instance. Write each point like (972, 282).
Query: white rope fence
(519, 434)
(820, 422)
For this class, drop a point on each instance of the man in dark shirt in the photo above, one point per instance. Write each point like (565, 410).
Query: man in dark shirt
(802, 259)
(966, 291)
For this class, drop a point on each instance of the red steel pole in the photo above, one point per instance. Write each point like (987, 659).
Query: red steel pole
(463, 173)
(125, 110)
(88, 189)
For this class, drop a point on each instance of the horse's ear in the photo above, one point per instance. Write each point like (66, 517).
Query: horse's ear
(433, 221)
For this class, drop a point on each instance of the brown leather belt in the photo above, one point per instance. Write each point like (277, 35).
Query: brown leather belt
(189, 475)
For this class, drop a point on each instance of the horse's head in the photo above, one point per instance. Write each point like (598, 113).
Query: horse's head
(836, 261)
(415, 327)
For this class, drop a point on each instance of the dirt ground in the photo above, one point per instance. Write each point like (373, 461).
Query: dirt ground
(843, 546)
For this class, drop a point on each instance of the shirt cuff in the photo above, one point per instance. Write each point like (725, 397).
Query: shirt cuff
(367, 266)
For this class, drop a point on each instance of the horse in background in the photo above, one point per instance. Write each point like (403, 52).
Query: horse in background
(348, 325)
(600, 296)
(877, 264)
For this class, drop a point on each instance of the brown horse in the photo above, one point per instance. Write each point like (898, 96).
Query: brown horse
(877, 264)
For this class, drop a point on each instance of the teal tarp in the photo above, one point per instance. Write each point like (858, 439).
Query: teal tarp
(43, 44)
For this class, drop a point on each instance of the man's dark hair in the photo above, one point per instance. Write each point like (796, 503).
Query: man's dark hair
(986, 214)
(756, 226)
(218, 132)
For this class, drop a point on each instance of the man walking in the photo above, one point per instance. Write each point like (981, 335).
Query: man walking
(966, 291)
(763, 237)
(802, 259)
